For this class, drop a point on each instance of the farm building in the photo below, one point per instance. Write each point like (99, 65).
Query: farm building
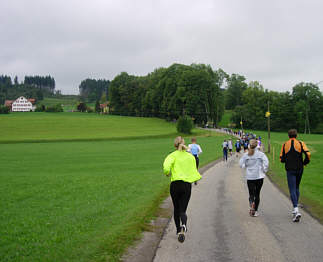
(21, 104)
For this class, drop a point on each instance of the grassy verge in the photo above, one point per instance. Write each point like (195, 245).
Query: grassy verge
(312, 181)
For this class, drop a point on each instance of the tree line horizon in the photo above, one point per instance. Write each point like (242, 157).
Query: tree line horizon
(203, 94)
(197, 91)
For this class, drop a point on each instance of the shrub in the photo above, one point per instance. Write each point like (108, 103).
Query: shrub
(184, 125)
(4, 110)
(97, 107)
(81, 107)
(56, 108)
(40, 108)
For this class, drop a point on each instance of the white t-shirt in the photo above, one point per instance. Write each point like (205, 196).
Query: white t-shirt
(194, 149)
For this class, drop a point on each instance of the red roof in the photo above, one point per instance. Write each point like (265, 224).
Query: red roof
(8, 103)
(32, 100)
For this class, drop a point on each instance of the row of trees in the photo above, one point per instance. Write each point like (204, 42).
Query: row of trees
(170, 93)
(301, 109)
(92, 90)
(53, 108)
(41, 82)
(196, 91)
(32, 87)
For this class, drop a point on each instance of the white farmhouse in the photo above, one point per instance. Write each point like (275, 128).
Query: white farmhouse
(21, 104)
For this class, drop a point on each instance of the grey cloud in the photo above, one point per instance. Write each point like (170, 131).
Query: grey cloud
(275, 42)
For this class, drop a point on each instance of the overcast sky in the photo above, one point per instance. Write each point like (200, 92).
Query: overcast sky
(278, 42)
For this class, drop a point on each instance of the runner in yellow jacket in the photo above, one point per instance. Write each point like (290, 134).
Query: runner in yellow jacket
(181, 166)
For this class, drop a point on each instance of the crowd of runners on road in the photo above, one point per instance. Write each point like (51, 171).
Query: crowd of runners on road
(182, 166)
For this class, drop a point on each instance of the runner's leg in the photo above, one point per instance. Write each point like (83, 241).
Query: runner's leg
(298, 181)
(175, 195)
(291, 180)
(184, 199)
(252, 191)
(259, 183)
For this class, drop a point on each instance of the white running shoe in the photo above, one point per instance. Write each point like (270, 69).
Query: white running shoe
(256, 214)
(296, 217)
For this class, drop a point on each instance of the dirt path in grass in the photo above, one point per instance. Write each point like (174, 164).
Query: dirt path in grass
(220, 228)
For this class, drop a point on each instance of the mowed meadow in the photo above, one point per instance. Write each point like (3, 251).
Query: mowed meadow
(40, 127)
(82, 187)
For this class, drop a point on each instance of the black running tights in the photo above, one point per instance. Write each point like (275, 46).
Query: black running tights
(180, 192)
(254, 187)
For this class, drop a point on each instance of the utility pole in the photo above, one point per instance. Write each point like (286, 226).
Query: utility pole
(268, 124)
(307, 109)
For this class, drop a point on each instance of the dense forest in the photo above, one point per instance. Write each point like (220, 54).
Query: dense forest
(92, 90)
(170, 92)
(32, 87)
(203, 94)
(301, 109)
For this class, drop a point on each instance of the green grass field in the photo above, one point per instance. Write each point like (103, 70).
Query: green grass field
(311, 188)
(83, 200)
(68, 103)
(35, 127)
(88, 192)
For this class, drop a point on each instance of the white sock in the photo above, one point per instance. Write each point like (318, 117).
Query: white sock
(295, 209)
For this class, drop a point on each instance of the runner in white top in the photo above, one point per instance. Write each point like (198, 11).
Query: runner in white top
(195, 150)
(256, 164)
(230, 146)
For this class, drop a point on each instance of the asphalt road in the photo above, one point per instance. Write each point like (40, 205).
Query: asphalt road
(220, 228)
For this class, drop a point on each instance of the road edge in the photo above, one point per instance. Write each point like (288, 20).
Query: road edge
(144, 249)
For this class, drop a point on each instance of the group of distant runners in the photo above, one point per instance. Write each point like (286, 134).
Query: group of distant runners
(182, 167)
(240, 144)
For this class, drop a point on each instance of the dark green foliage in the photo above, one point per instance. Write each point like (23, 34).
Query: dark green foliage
(81, 107)
(41, 82)
(169, 93)
(40, 108)
(4, 110)
(55, 108)
(97, 107)
(92, 90)
(184, 125)
(236, 86)
(302, 109)
(33, 87)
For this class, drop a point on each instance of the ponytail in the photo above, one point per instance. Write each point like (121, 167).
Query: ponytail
(179, 143)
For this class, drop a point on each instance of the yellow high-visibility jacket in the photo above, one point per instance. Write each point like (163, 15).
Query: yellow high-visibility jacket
(182, 166)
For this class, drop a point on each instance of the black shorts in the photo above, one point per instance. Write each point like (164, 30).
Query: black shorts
(238, 149)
